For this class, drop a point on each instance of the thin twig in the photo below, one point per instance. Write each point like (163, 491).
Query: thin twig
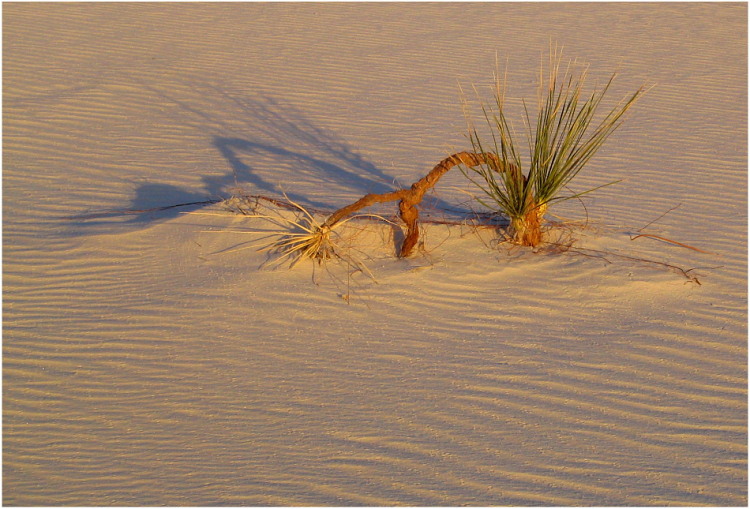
(672, 242)
(664, 214)
(127, 212)
(675, 268)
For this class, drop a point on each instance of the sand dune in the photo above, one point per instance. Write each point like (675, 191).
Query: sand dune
(147, 360)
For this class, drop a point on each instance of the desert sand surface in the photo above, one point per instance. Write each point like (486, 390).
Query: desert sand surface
(148, 359)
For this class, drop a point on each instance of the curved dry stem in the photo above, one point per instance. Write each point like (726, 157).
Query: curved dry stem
(412, 196)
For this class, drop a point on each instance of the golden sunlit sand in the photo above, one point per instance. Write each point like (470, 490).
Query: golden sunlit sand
(153, 356)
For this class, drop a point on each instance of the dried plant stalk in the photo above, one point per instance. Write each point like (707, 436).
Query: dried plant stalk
(412, 196)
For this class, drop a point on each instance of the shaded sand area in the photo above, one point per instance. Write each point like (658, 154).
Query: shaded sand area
(146, 361)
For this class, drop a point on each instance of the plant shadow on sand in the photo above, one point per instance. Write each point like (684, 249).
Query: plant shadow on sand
(272, 143)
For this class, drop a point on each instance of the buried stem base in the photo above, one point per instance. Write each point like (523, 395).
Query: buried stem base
(526, 230)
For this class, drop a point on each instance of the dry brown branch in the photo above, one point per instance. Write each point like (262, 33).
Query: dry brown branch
(412, 196)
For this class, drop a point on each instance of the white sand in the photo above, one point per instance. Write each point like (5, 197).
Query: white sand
(143, 365)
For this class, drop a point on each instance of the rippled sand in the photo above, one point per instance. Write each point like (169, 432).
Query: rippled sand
(144, 363)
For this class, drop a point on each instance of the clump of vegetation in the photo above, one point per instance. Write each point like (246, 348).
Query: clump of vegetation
(301, 237)
(564, 138)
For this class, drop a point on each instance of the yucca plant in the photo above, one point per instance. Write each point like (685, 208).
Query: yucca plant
(298, 238)
(564, 138)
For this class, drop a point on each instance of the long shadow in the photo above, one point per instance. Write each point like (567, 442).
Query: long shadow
(283, 140)
(232, 148)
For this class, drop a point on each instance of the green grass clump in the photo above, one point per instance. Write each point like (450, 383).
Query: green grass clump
(563, 139)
